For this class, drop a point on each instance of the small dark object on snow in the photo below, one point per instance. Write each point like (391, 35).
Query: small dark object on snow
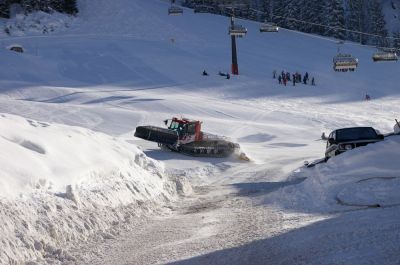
(205, 73)
(16, 48)
(227, 75)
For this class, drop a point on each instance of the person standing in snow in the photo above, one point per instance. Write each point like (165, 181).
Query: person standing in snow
(284, 80)
(367, 97)
(274, 74)
(280, 80)
(294, 80)
(312, 81)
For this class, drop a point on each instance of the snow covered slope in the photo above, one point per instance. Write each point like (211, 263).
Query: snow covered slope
(79, 93)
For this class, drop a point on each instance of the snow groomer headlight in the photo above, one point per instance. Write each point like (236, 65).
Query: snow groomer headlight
(345, 147)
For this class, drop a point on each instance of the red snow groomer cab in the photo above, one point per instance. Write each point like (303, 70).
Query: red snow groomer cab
(185, 136)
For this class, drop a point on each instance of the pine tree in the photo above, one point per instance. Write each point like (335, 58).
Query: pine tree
(396, 40)
(378, 25)
(57, 5)
(312, 12)
(280, 12)
(293, 15)
(4, 9)
(70, 7)
(335, 19)
(355, 20)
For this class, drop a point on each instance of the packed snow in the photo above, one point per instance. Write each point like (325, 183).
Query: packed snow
(78, 188)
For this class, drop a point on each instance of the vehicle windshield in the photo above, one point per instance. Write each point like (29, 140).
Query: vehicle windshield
(176, 126)
(352, 134)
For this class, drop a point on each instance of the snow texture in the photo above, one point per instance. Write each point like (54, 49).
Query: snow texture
(76, 188)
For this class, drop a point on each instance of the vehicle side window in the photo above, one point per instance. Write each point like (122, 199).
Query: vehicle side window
(191, 128)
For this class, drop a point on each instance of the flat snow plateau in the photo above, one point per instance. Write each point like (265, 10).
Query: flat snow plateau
(76, 187)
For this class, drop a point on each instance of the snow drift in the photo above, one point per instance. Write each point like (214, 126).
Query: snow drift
(60, 184)
(364, 177)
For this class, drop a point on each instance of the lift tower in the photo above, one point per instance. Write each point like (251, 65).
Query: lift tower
(235, 66)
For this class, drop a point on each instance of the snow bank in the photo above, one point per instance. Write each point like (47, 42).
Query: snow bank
(364, 177)
(60, 184)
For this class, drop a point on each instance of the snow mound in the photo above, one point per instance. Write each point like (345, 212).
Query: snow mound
(60, 184)
(366, 176)
(371, 192)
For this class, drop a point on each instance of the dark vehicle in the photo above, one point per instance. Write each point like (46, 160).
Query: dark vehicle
(342, 140)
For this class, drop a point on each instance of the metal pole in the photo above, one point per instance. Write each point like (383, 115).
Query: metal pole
(235, 67)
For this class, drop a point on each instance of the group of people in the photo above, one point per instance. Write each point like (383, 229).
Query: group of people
(285, 77)
(226, 75)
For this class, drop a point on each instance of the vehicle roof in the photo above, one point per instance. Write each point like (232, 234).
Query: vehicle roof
(341, 129)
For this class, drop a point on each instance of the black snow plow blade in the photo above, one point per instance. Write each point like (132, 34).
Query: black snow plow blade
(156, 134)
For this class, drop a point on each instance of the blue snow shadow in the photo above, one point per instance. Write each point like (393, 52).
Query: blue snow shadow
(249, 189)
(336, 240)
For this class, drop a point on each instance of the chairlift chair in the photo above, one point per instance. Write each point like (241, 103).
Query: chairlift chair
(269, 27)
(344, 63)
(385, 56)
(237, 30)
(175, 10)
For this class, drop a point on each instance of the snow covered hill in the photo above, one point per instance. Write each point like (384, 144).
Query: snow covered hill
(70, 166)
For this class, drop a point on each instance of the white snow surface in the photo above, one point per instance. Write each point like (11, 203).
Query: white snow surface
(71, 170)
(59, 184)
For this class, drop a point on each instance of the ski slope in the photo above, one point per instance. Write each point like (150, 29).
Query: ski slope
(127, 63)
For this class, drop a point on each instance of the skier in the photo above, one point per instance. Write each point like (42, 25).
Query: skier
(304, 80)
(205, 73)
(288, 76)
(294, 80)
(280, 80)
(312, 81)
(284, 80)
(274, 74)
